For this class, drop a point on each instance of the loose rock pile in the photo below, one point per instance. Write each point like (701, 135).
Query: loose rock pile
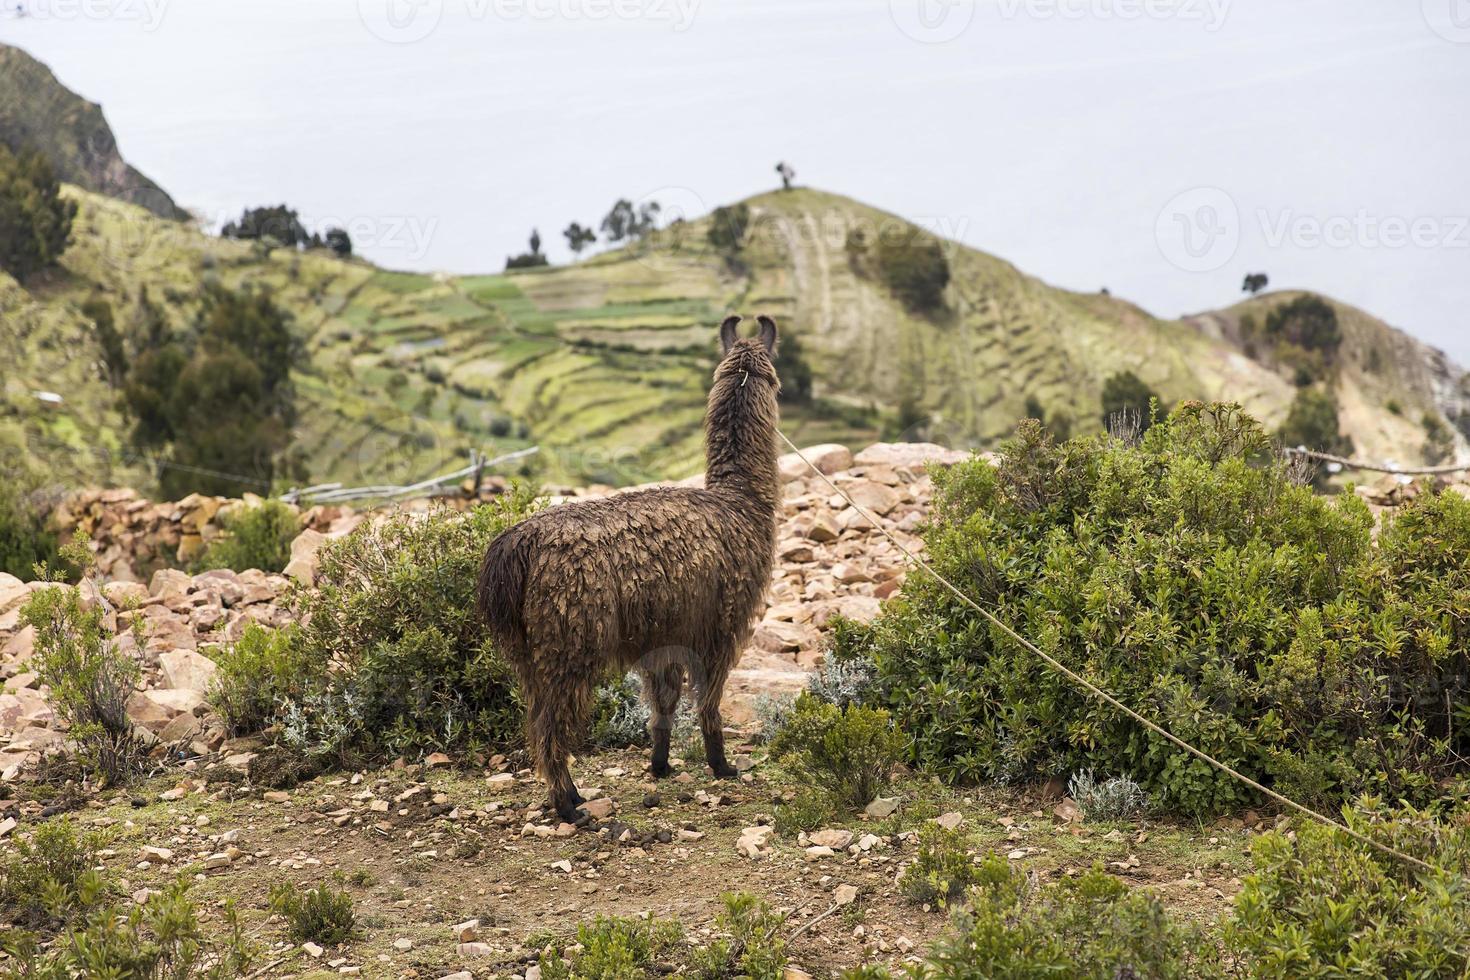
(830, 561)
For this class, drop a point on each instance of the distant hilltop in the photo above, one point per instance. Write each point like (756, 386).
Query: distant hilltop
(38, 112)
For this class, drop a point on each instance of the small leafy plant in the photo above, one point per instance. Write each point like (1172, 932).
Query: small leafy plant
(258, 674)
(321, 915)
(255, 537)
(89, 677)
(50, 876)
(943, 869)
(1119, 798)
(749, 948)
(848, 752)
(612, 949)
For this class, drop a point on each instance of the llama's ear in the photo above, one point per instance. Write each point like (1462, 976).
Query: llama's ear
(727, 333)
(768, 333)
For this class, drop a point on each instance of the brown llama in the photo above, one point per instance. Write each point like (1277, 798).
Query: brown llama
(668, 580)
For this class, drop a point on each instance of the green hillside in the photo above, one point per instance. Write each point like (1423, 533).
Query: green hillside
(603, 363)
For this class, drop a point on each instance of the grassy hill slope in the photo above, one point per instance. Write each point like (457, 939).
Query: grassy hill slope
(604, 363)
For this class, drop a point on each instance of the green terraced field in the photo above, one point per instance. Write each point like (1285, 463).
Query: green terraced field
(604, 363)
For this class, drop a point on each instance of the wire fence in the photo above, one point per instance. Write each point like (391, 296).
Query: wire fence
(335, 493)
(1357, 464)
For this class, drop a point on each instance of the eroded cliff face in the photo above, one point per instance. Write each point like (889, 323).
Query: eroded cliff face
(37, 111)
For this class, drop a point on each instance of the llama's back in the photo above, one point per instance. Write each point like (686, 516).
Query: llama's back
(620, 575)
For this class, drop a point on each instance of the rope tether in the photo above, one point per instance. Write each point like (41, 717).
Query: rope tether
(1098, 692)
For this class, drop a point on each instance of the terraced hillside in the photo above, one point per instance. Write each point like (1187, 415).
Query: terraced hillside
(603, 363)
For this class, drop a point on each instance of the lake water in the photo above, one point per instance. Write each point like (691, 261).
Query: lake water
(1161, 150)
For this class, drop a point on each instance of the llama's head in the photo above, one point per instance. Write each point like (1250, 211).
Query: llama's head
(748, 360)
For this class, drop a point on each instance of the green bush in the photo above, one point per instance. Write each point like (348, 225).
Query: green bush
(848, 752)
(258, 674)
(749, 949)
(25, 541)
(49, 876)
(163, 938)
(612, 949)
(90, 680)
(943, 869)
(319, 915)
(1092, 926)
(1312, 422)
(393, 656)
(255, 537)
(915, 269)
(35, 221)
(1325, 905)
(1308, 322)
(1192, 578)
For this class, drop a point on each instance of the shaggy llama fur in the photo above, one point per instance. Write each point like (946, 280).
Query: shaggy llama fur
(667, 580)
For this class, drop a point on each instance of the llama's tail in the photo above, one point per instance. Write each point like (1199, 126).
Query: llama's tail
(502, 588)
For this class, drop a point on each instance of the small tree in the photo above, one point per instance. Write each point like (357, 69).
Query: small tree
(531, 259)
(915, 268)
(1312, 423)
(1125, 394)
(35, 222)
(340, 242)
(109, 339)
(578, 237)
(788, 174)
(727, 229)
(617, 224)
(269, 224)
(1254, 282)
(1308, 322)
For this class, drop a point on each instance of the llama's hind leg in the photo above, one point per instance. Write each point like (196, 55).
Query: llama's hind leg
(709, 691)
(555, 720)
(662, 686)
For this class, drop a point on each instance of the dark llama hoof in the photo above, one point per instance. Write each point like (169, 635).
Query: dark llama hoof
(725, 771)
(661, 770)
(566, 807)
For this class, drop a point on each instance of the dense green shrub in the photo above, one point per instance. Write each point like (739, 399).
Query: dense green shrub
(915, 269)
(390, 654)
(25, 541)
(943, 869)
(1092, 926)
(35, 221)
(1320, 904)
(1309, 322)
(48, 877)
(750, 948)
(612, 949)
(848, 752)
(320, 915)
(163, 938)
(90, 680)
(1192, 578)
(1312, 423)
(258, 674)
(1125, 398)
(255, 537)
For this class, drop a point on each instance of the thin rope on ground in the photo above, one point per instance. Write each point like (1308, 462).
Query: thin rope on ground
(1098, 692)
(1357, 464)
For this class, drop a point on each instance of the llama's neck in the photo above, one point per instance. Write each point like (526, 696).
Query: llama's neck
(740, 443)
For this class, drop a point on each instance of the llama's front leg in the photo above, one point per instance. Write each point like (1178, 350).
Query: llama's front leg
(662, 688)
(709, 692)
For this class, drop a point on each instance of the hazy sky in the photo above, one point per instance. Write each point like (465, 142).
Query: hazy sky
(1161, 148)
